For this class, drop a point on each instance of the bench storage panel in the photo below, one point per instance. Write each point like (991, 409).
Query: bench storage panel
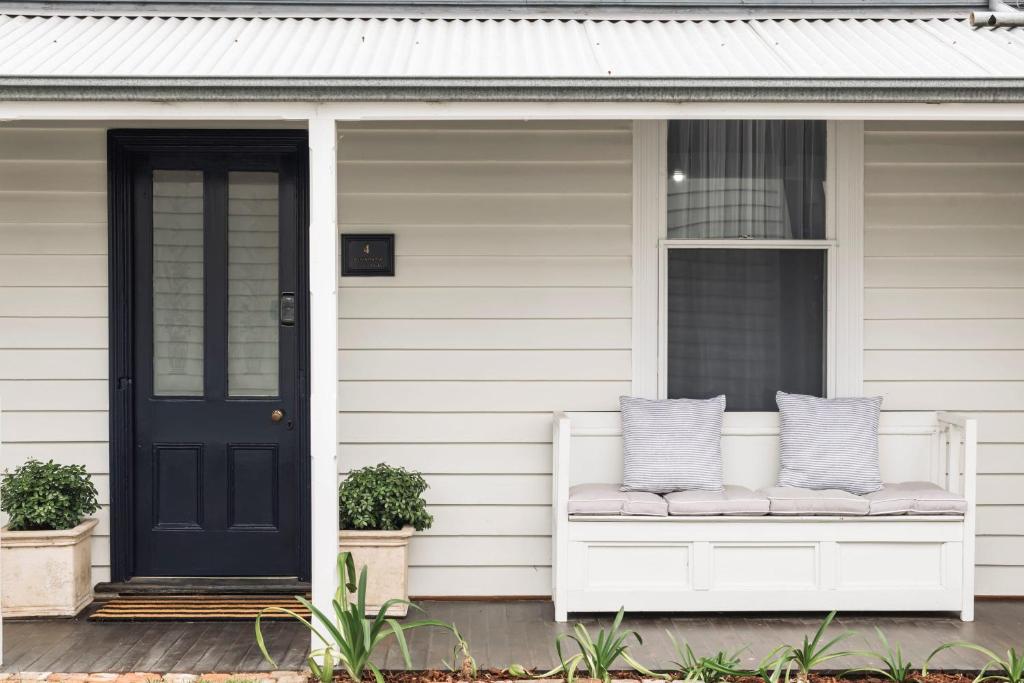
(741, 563)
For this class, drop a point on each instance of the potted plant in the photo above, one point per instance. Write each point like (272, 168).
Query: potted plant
(47, 562)
(380, 508)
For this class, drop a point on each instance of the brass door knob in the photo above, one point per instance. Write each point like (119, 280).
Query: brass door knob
(276, 415)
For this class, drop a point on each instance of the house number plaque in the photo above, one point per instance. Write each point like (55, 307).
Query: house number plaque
(368, 255)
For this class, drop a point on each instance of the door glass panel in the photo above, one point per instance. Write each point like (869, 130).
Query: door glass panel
(252, 284)
(178, 283)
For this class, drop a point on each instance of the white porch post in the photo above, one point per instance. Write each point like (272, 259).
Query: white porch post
(323, 335)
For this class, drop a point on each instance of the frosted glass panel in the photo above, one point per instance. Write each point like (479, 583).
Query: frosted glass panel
(252, 284)
(178, 283)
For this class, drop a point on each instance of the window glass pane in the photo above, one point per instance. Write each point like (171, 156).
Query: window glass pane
(746, 323)
(252, 284)
(178, 283)
(746, 179)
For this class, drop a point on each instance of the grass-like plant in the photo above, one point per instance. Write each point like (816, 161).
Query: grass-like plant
(351, 637)
(773, 665)
(892, 666)
(714, 669)
(815, 651)
(462, 662)
(1009, 669)
(596, 655)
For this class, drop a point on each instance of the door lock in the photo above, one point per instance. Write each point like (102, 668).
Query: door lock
(287, 308)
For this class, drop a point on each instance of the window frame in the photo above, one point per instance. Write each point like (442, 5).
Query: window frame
(843, 244)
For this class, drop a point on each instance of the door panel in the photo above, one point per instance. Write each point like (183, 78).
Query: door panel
(218, 389)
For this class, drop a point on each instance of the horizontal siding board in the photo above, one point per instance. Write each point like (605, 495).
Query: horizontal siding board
(24, 270)
(485, 396)
(892, 303)
(936, 395)
(489, 209)
(46, 426)
(34, 144)
(450, 458)
(52, 207)
(46, 175)
(944, 334)
(924, 365)
(53, 363)
(1001, 458)
(503, 271)
(964, 272)
(933, 210)
(1000, 550)
(948, 241)
(442, 428)
(484, 334)
(479, 581)
(943, 148)
(1000, 520)
(488, 489)
(483, 365)
(999, 427)
(927, 178)
(489, 520)
(95, 455)
(1000, 581)
(436, 145)
(459, 177)
(53, 333)
(1001, 489)
(56, 395)
(491, 302)
(479, 551)
(504, 240)
(58, 238)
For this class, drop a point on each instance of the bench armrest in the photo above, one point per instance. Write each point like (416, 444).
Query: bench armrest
(961, 443)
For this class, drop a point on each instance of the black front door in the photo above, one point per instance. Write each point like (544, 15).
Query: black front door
(218, 362)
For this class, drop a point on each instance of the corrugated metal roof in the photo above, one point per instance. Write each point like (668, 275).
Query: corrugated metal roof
(95, 47)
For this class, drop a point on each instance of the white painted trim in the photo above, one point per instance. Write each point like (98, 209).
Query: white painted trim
(323, 355)
(429, 111)
(845, 199)
(649, 142)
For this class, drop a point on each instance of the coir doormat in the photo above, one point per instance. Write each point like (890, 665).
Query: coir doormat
(195, 608)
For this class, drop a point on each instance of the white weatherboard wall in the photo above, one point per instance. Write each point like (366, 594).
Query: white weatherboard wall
(53, 304)
(511, 300)
(944, 303)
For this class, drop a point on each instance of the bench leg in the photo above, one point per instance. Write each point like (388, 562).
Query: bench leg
(561, 614)
(967, 613)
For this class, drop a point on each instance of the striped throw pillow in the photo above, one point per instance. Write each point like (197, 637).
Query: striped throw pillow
(829, 443)
(672, 445)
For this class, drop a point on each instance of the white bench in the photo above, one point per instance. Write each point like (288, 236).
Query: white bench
(756, 563)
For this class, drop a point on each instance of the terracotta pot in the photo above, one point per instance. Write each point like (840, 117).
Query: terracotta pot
(47, 573)
(385, 554)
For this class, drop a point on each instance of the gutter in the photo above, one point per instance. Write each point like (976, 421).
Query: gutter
(323, 90)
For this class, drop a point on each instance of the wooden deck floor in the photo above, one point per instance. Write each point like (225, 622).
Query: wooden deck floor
(500, 633)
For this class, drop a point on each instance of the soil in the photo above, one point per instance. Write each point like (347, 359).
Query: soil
(496, 675)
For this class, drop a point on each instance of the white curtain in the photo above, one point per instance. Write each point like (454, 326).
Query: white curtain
(746, 179)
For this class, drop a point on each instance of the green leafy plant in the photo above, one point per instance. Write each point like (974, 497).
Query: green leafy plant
(596, 655)
(892, 666)
(815, 651)
(1008, 670)
(772, 665)
(383, 498)
(713, 669)
(46, 496)
(462, 662)
(351, 636)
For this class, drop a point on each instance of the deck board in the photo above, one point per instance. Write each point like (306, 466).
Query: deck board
(499, 633)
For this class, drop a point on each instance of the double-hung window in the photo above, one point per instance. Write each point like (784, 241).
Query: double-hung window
(745, 262)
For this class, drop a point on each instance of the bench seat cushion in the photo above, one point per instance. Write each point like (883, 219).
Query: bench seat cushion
(733, 500)
(915, 498)
(790, 500)
(607, 499)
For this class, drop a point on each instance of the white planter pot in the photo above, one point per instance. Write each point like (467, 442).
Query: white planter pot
(385, 554)
(46, 573)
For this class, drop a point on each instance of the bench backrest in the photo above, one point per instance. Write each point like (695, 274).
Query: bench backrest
(911, 448)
